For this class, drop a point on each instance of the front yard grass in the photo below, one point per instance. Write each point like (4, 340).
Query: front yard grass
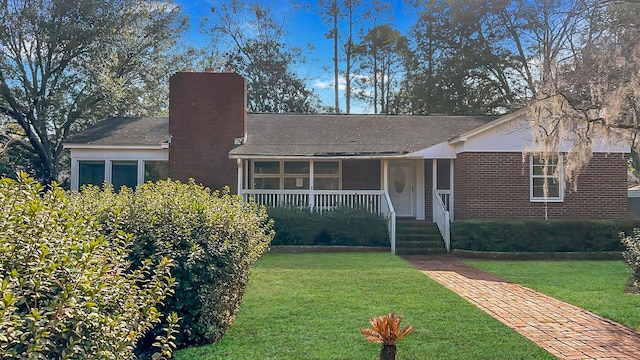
(311, 306)
(597, 286)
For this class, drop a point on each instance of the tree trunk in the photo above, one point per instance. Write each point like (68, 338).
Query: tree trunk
(388, 352)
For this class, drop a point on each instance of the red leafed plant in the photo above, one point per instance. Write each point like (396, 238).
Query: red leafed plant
(385, 330)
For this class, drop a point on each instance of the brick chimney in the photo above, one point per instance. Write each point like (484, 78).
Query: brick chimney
(207, 112)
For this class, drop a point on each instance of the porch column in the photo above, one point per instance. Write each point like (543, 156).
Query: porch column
(385, 175)
(240, 173)
(420, 195)
(434, 183)
(312, 197)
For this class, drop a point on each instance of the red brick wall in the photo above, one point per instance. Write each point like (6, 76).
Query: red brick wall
(207, 111)
(361, 174)
(496, 185)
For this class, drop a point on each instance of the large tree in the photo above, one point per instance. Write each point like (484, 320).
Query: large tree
(593, 92)
(252, 39)
(382, 50)
(66, 63)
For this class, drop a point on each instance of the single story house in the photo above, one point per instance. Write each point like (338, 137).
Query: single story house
(432, 168)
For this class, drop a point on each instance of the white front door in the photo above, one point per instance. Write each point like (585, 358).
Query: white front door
(402, 186)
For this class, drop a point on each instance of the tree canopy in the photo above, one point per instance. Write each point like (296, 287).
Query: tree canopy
(65, 64)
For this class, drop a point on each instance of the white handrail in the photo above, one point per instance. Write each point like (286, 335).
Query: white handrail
(441, 217)
(391, 215)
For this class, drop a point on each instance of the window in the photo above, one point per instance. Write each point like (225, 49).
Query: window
(90, 173)
(124, 173)
(266, 175)
(546, 179)
(326, 175)
(156, 170)
(296, 175)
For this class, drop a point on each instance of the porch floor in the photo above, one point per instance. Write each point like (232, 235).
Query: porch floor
(564, 330)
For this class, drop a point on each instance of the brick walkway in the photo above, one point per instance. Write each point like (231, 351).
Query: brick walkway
(564, 330)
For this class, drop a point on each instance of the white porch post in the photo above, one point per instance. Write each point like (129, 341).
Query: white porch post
(312, 197)
(420, 196)
(140, 172)
(74, 174)
(240, 177)
(451, 194)
(385, 174)
(434, 185)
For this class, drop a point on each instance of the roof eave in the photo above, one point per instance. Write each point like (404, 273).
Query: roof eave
(117, 147)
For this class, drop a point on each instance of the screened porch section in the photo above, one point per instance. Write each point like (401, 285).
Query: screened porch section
(317, 185)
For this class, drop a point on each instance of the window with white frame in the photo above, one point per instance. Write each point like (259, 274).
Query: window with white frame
(90, 173)
(120, 173)
(296, 175)
(546, 178)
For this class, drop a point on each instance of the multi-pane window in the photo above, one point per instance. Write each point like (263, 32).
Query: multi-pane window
(296, 175)
(120, 173)
(266, 174)
(546, 178)
(326, 175)
(90, 173)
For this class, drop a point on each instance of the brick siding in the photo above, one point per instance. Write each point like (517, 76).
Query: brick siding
(496, 185)
(361, 174)
(207, 111)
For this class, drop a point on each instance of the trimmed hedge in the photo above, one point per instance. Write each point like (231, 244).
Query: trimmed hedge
(540, 235)
(342, 226)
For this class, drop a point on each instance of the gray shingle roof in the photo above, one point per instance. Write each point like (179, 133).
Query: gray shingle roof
(303, 134)
(125, 131)
(349, 135)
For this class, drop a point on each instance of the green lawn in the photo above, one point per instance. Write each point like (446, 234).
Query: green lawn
(597, 286)
(311, 306)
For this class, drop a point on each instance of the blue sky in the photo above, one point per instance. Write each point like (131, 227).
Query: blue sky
(304, 27)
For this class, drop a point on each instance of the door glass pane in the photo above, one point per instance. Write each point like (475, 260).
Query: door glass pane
(266, 183)
(124, 173)
(296, 167)
(326, 167)
(90, 173)
(266, 167)
(156, 170)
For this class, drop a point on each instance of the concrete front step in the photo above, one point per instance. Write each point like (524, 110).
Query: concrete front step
(415, 237)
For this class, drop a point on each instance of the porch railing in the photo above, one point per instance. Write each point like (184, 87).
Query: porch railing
(441, 216)
(374, 201)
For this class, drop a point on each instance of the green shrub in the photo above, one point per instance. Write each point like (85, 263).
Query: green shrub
(631, 254)
(539, 235)
(67, 289)
(212, 238)
(342, 226)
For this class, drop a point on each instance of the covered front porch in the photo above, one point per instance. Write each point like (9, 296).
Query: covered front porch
(393, 187)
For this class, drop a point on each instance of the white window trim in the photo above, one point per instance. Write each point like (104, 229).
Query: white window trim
(560, 197)
(282, 176)
(108, 165)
